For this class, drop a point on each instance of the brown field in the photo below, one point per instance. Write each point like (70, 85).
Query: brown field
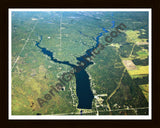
(142, 43)
(129, 65)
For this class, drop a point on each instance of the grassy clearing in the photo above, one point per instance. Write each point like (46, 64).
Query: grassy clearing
(140, 71)
(142, 54)
(145, 90)
(132, 36)
(138, 76)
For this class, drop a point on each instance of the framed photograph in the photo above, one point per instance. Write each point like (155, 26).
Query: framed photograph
(80, 64)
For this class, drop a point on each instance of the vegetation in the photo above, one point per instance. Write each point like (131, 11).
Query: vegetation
(33, 73)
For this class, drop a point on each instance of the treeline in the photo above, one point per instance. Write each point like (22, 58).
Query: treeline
(143, 80)
(141, 62)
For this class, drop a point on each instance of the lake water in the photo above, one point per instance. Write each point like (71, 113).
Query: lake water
(83, 89)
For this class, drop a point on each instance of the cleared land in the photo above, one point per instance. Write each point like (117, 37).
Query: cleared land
(141, 70)
(142, 43)
(129, 64)
(145, 90)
